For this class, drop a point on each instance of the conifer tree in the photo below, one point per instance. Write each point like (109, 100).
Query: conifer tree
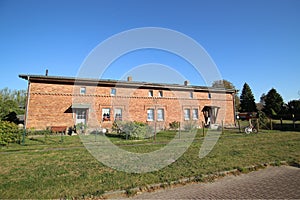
(247, 100)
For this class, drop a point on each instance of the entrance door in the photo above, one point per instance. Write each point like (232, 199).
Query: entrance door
(80, 116)
(210, 114)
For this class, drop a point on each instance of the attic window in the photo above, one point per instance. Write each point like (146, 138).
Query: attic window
(83, 90)
(113, 92)
(150, 93)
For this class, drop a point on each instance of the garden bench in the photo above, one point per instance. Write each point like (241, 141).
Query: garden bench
(59, 129)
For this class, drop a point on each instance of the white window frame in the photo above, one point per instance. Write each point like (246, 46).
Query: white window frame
(160, 93)
(150, 93)
(191, 95)
(113, 91)
(195, 113)
(209, 95)
(150, 114)
(118, 111)
(160, 114)
(106, 111)
(82, 90)
(187, 114)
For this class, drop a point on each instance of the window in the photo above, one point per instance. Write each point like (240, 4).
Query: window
(191, 95)
(113, 92)
(160, 93)
(106, 114)
(160, 115)
(150, 115)
(209, 95)
(118, 114)
(150, 93)
(186, 114)
(83, 90)
(195, 114)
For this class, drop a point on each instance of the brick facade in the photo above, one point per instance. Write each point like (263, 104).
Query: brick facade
(57, 101)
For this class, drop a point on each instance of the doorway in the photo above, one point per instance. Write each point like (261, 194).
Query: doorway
(210, 114)
(81, 116)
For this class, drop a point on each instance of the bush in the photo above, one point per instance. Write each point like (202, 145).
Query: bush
(174, 125)
(30, 132)
(134, 130)
(9, 133)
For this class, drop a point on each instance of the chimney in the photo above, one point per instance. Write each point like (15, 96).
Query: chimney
(46, 72)
(186, 83)
(129, 78)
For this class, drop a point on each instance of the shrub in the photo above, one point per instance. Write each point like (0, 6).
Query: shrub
(9, 133)
(174, 125)
(30, 132)
(134, 130)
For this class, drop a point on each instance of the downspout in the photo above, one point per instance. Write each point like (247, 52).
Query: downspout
(234, 108)
(27, 102)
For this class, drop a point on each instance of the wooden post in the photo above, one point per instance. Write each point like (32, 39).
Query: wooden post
(239, 125)
(222, 127)
(271, 124)
(203, 128)
(281, 128)
(294, 121)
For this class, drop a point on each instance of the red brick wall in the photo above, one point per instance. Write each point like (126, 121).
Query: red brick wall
(50, 105)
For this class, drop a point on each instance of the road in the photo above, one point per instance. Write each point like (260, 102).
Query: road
(270, 183)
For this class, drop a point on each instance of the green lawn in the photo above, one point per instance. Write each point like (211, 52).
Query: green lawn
(50, 168)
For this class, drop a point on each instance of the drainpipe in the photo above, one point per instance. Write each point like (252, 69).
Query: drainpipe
(234, 109)
(27, 102)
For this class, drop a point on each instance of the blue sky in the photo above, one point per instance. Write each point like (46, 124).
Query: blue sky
(253, 41)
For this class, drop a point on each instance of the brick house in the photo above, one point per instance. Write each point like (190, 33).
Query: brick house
(66, 101)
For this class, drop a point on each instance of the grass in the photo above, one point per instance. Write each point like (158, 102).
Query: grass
(49, 168)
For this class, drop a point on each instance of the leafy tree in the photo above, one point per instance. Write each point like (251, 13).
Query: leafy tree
(247, 100)
(273, 103)
(223, 84)
(12, 103)
(227, 85)
(294, 108)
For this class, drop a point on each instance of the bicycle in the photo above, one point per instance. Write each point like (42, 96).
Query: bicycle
(250, 129)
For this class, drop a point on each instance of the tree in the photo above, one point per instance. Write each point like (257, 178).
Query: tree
(273, 103)
(223, 84)
(261, 103)
(294, 109)
(227, 85)
(12, 103)
(247, 100)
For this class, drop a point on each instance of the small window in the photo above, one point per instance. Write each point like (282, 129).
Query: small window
(191, 95)
(106, 114)
(118, 114)
(160, 115)
(150, 93)
(113, 92)
(160, 93)
(195, 114)
(150, 115)
(187, 114)
(83, 90)
(209, 95)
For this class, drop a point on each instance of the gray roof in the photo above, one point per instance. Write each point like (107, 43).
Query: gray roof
(119, 83)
